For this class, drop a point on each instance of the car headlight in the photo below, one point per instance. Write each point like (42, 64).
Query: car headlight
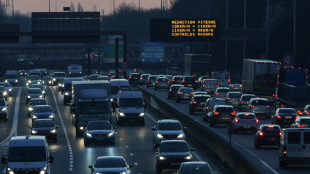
(81, 128)
(188, 157)
(123, 173)
(160, 136)
(162, 158)
(6, 80)
(66, 93)
(5, 93)
(110, 134)
(3, 109)
(40, 96)
(88, 134)
(42, 172)
(34, 132)
(141, 114)
(53, 131)
(180, 135)
(28, 96)
(54, 79)
(51, 116)
(59, 84)
(121, 114)
(34, 117)
(16, 81)
(10, 89)
(30, 109)
(49, 82)
(111, 99)
(29, 81)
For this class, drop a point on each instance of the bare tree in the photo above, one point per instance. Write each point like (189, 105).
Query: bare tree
(95, 7)
(72, 8)
(80, 8)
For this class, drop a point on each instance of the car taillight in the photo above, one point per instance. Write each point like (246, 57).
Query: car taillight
(173, 80)
(201, 81)
(237, 120)
(194, 102)
(206, 113)
(228, 80)
(170, 90)
(233, 113)
(141, 78)
(256, 120)
(261, 133)
(168, 82)
(240, 86)
(280, 133)
(216, 93)
(308, 113)
(278, 116)
(228, 98)
(129, 77)
(207, 108)
(216, 113)
(156, 81)
(252, 106)
(192, 93)
(241, 102)
(284, 150)
(267, 106)
(302, 125)
(183, 81)
(299, 112)
(203, 85)
(232, 85)
(148, 80)
(180, 93)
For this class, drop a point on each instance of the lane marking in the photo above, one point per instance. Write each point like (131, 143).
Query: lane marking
(65, 132)
(4, 170)
(197, 156)
(131, 154)
(152, 118)
(15, 118)
(135, 163)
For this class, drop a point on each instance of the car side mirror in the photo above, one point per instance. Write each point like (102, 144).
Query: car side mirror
(56, 126)
(30, 127)
(130, 166)
(51, 159)
(91, 167)
(3, 160)
(191, 150)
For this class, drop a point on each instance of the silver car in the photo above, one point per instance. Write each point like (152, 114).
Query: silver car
(260, 106)
(244, 121)
(233, 98)
(221, 92)
(110, 164)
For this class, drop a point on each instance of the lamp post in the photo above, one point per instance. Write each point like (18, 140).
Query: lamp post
(267, 28)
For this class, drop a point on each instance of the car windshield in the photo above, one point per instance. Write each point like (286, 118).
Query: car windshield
(152, 78)
(246, 116)
(5, 84)
(200, 99)
(110, 163)
(169, 126)
(37, 86)
(195, 169)
(34, 91)
(27, 154)
(131, 102)
(144, 76)
(260, 102)
(224, 109)
(89, 107)
(59, 74)
(222, 90)
(43, 109)
(43, 123)
(247, 97)
(37, 102)
(287, 111)
(46, 78)
(99, 126)
(173, 147)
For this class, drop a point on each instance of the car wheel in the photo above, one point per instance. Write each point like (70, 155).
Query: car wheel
(158, 169)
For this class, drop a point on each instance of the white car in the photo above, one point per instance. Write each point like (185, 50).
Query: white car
(244, 121)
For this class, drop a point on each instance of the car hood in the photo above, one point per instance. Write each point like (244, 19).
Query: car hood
(42, 115)
(131, 109)
(119, 169)
(34, 95)
(27, 166)
(174, 154)
(173, 132)
(99, 131)
(43, 129)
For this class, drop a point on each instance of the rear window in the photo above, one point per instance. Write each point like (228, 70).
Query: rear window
(287, 111)
(246, 116)
(234, 95)
(135, 75)
(175, 88)
(186, 90)
(224, 109)
(189, 78)
(305, 121)
(271, 129)
(200, 99)
(178, 78)
(260, 102)
(222, 90)
(307, 137)
(247, 97)
(293, 138)
(152, 78)
(162, 80)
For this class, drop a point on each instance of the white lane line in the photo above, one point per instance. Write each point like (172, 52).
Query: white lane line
(152, 118)
(4, 170)
(66, 134)
(135, 163)
(131, 154)
(197, 156)
(15, 118)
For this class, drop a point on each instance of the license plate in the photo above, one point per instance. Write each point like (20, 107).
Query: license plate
(288, 117)
(100, 139)
(189, 85)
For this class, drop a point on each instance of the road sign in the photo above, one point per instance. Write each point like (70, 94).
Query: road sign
(288, 59)
(152, 51)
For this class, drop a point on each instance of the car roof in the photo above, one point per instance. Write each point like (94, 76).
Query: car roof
(304, 117)
(168, 121)
(110, 157)
(224, 106)
(43, 106)
(22, 141)
(262, 99)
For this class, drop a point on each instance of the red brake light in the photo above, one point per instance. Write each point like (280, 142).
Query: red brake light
(207, 108)
(302, 125)
(216, 93)
(180, 93)
(216, 113)
(141, 78)
(256, 121)
(192, 93)
(228, 98)
(148, 80)
(267, 106)
(278, 116)
(233, 113)
(252, 106)
(280, 133)
(261, 133)
(237, 120)
(307, 113)
(232, 85)
(240, 86)
(201, 81)
(194, 102)
(299, 112)
(271, 126)
(170, 90)
(228, 80)
(156, 81)
(173, 80)
(241, 102)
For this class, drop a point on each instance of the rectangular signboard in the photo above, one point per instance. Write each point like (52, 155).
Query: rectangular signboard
(152, 51)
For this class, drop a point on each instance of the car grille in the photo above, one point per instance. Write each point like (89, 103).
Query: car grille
(110, 172)
(26, 172)
(132, 114)
(170, 136)
(99, 135)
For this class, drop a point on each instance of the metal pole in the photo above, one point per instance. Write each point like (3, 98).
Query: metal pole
(294, 32)
(267, 39)
(116, 56)
(113, 7)
(226, 42)
(49, 5)
(139, 5)
(88, 61)
(208, 17)
(244, 27)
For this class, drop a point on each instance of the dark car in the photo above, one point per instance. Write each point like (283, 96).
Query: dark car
(110, 165)
(99, 132)
(7, 87)
(42, 87)
(174, 90)
(162, 83)
(200, 81)
(151, 81)
(197, 103)
(32, 78)
(267, 135)
(22, 73)
(134, 78)
(44, 127)
(58, 77)
(195, 167)
(177, 79)
(302, 122)
(284, 116)
(35, 102)
(222, 114)
(42, 111)
(171, 153)
(261, 107)
(143, 79)
(3, 110)
(221, 92)
(189, 81)
(184, 93)
(47, 80)
(244, 102)
(33, 93)
(3, 92)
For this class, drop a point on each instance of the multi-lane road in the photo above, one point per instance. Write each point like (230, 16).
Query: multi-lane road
(133, 142)
(244, 141)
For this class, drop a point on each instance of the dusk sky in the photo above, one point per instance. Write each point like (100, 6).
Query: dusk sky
(26, 6)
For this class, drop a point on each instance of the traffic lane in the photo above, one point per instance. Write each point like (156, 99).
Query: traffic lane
(245, 140)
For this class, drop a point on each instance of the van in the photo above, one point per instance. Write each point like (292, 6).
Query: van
(28, 154)
(116, 85)
(209, 85)
(130, 107)
(11, 77)
(294, 147)
(223, 77)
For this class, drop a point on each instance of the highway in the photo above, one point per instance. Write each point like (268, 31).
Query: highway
(133, 142)
(244, 141)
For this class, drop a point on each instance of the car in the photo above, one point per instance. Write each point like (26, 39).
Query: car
(11, 77)
(143, 79)
(151, 81)
(177, 79)
(174, 90)
(267, 135)
(244, 121)
(7, 87)
(244, 102)
(223, 77)
(184, 93)
(169, 77)
(22, 73)
(35, 102)
(197, 103)
(235, 87)
(195, 167)
(32, 78)
(209, 85)
(222, 114)
(209, 106)
(221, 92)
(104, 78)
(162, 83)
(33, 93)
(200, 81)
(201, 93)
(306, 110)
(3, 92)
(303, 121)
(189, 81)
(134, 78)
(42, 87)
(45, 127)
(99, 132)
(110, 164)
(43, 72)
(116, 86)
(47, 80)
(42, 111)
(167, 129)
(3, 110)
(58, 77)
(171, 153)
(284, 116)
(67, 89)
(261, 107)
(233, 98)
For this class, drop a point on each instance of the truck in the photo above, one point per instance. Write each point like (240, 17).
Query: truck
(91, 101)
(75, 70)
(259, 77)
(293, 90)
(197, 65)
